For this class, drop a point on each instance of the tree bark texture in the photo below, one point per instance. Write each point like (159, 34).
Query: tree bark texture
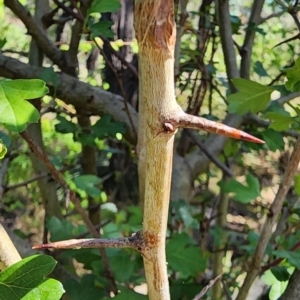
(155, 29)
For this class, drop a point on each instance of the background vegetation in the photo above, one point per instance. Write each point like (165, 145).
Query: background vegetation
(236, 63)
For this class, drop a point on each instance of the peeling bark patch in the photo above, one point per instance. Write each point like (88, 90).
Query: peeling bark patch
(151, 239)
(155, 25)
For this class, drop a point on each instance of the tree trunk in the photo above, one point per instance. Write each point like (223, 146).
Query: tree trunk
(155, 29)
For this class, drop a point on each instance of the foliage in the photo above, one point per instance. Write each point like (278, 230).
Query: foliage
(195, 236)
(26, 280)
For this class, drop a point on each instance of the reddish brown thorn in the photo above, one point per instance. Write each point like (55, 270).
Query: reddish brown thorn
(248, 137)
(241, 135)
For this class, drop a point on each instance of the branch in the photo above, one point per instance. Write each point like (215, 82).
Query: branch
(246, 50)
(254, 119)
(37, 33)
(70, 196)
(92, 100)
(277, 261)
(272, 217)
(226, 40)
(136, 242)
(212, 157)
(206, 288)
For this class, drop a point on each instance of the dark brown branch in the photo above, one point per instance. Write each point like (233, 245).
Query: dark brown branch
(38, 34)
(211, 156)
(246, 49)
(277, 261)
(70, 195)
(72, 91)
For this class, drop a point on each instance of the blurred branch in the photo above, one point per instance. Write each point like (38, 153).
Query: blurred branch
(246, 49)
(72, 91)
(273, 15)
(254, 119)
(70, 195)
(220, 244)
(37, 33)
(120, 82)
(272, 217)
(206, 288)
(183, 15)
(211, 156)
(226, 40)
(277, 261)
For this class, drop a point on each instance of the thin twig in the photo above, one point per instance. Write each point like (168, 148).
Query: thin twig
(69, 195)
(206, 288)
(277, 261)
(36, 32)
(211, 156)
(272, 217)
(120, 85)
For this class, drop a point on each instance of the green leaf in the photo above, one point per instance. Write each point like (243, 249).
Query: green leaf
(65, 126)
(85, 289)
(60, 229)
(293, 76)
(184, 258)
(242, 193)
(14, 111)
(280, 122)
(106, 127)
(50, 76)
(236, 23)
(121, 266)
(251, 96)
(27, 275)
(2, 42)
(88, 184)
(297, 184)
(259, 69)
(103, 6)
(280, 273)
(3, 149)
(273, 139)
(49, 289)
(292, 257)
(102, 28)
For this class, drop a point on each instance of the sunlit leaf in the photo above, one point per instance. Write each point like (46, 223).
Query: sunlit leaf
(103, 6)
(15, 112)
(293, 76)
(251, 96)
(26, 279)
(242, 193)
(88, 184)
